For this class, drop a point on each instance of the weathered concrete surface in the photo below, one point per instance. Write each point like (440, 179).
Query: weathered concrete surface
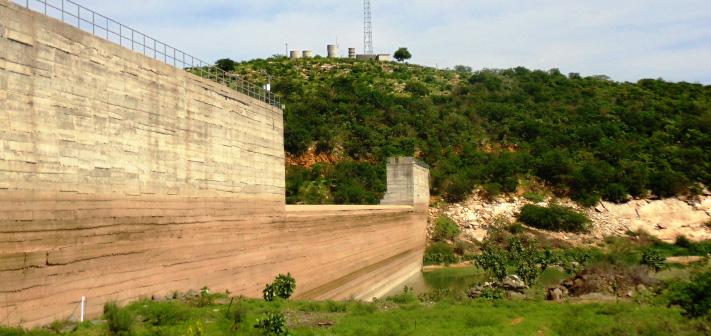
(123, 177)
(408, 182)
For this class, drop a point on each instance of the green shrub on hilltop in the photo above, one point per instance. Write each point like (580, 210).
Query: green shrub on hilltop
(554, 218)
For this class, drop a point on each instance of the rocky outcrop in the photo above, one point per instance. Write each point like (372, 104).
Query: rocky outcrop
(666, 218)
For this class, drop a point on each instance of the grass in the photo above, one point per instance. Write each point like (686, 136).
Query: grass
(471, 317)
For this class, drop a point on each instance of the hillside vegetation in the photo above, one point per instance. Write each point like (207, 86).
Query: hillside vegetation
(589, 138)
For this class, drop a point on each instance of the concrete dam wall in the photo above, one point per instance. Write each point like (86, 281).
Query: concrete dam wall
(122, 177)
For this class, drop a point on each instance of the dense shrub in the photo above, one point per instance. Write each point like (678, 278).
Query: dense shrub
(164, 313)
(272, 324)
(120, 321)
(693, 296)
(440, 253)
(683, 242)
(238, 314)
(283, 286)
(205, 298)
(586, 137)
(554, 218)
(445, 229)
(653, 259)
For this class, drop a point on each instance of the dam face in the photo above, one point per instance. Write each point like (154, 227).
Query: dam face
(123, 177)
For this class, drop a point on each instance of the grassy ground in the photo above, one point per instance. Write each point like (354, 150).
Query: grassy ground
(406, 317)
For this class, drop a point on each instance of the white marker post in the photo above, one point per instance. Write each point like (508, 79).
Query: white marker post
(81, 318)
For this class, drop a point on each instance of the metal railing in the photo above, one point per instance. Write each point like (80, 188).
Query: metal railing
(99, 25)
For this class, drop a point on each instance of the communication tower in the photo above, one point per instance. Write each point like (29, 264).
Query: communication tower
(367, 29)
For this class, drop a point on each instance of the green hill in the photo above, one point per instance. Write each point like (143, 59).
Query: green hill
(584, 137)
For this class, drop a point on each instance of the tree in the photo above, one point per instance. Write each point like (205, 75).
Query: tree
(226, 64)
(402, 54)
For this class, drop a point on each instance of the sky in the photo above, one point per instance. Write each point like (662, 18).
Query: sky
(624, 39)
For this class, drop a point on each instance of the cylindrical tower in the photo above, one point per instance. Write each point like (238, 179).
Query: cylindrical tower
(332, 50)
(351, 52)
(308, 54)
(294, 54)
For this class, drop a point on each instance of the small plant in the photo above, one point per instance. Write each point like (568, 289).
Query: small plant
(554, 218)
(196, 329)
(272, 324)
(653, 259)
(440, 253)
(205, 298)
(164, 313)
(407, 296)
(119, 321)
(445, 229)
(534, 197)
(238, 315)
(492, 293)
(336, 307)
(493, 260)
(283, 286)
(515, 228)
(683, 242)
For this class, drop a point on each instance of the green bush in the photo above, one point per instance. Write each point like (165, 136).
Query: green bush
(272, 324)
(164, 313)
(205, 298)
(406, 296)
(440, 253)
(120, 321)
(492, 190)
(283, 286)
(683, 242)
(238, 314)
(445, 229)
(515, 228)
(653, 259)
(694, 296)
(534, 196)
(554, 218)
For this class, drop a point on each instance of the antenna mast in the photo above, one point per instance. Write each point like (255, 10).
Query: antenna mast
(367, 29)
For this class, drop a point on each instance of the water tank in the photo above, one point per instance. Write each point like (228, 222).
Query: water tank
(332, 50)
(294, 54)
(308, 54)
(351, 53)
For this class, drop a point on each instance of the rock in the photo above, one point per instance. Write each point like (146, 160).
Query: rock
(157, 298)
(513, 283)
(555, 294)
(661, 226)
(515, 295)
(474, 292)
